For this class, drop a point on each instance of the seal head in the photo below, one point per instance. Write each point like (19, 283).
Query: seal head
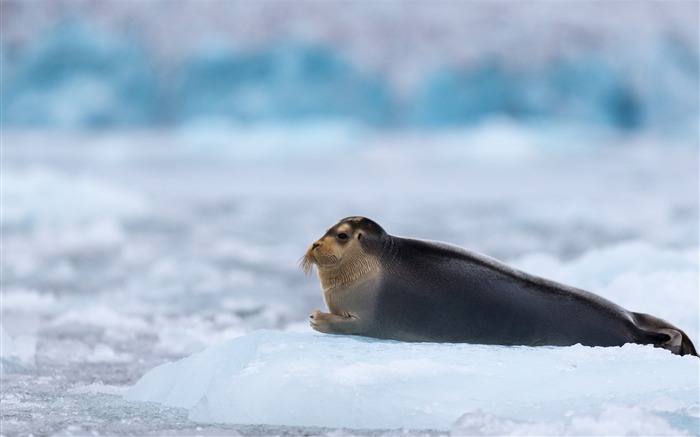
(345, 252)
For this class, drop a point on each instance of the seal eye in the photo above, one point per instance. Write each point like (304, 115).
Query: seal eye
(342, 236)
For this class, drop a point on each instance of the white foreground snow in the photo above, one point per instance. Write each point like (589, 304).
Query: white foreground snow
(309, 379)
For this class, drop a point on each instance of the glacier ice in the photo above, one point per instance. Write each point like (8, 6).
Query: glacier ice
(77, 75)
(291, 81)
(587, 89)
(310, 379)
(81, 74)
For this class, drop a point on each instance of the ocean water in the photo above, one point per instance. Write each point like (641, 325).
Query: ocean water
(124, 251)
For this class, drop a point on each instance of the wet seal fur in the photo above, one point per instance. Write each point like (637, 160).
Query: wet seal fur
(382, 286)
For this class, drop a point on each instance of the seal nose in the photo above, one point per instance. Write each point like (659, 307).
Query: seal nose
(315, 245)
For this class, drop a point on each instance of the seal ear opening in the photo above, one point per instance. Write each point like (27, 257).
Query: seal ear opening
(359, 235)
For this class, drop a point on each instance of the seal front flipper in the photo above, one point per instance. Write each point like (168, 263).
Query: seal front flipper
(334, 324)
(662, 334)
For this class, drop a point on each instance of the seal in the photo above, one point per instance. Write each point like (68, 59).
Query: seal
(383, 286)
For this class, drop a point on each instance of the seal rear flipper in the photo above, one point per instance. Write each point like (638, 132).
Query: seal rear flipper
(662, 334)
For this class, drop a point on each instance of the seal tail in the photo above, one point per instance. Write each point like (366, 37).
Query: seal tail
(662, 334)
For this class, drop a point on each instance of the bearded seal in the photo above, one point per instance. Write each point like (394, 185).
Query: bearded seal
(383, 286)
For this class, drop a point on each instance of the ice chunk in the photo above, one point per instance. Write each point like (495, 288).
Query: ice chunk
(8, 359)
(40, 195)
(99, 316)
(611, 421)
(102, 353)
(17, 299)
(97, 387)
(16, 355)
(74, 351)
(187, 340)
(309, 379)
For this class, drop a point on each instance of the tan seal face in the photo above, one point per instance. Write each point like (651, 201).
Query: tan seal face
(329, 251)
(339, 255)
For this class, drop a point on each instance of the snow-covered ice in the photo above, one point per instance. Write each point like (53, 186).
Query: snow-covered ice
(16, 354)
(340, 381)
(610, 421)
(196, 244)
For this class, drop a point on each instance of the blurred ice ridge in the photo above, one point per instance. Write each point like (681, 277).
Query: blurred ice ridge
(116, 65)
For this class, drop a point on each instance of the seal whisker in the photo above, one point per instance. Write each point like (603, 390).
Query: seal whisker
(306, 264)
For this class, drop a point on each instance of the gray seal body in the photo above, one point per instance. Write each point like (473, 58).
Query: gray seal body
(416, 290)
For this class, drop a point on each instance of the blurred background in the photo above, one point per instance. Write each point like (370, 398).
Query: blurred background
(165, 164)
(389, 65)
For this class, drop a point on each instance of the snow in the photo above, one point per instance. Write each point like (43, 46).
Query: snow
(309, 379)
(16, 354)
(43, 192)
(98, 387)
(159, 246)
(610, 421)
